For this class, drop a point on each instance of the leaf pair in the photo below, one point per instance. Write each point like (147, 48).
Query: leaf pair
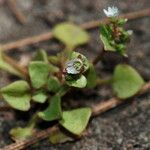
(18, 94)
(74, 121)
(39, 71)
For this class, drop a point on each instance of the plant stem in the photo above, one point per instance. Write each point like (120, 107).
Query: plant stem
(25, 143)
(12, 4)
(103, 81)
(33, 121)
(12, 62)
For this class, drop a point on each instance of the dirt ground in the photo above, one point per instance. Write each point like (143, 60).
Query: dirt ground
(126, 127)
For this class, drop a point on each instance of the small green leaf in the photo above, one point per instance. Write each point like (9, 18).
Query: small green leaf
(53, 84)
(41, 55)
(20, 133)
(53, 69)
(59, 137)
(7, 67)
(79, 82)
(122, 21)
(91, 77)
(21, 102)
(19, 87)
(105, 36)
(23, 133)
(70, 34)
(39, 97)
(76, 120)
(38, 72)
(17, 95)
(120, 48)
(126, 81)
(53, 111)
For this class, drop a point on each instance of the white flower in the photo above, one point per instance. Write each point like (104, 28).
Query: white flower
(74, 66)
(111, 12)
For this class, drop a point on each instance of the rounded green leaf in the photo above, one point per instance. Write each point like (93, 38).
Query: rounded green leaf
(39, 97)
(17, 95)
(20, 102)
(53, 111)
(53, 84)
(20, 133)
(18, 87)
(59, 136)
(70, 34)
(41, 55)
(79, 82)
(38, 72)
(76, 120)
(126, 81)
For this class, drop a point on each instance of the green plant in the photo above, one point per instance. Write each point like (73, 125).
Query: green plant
(113, 35)
(51, 77)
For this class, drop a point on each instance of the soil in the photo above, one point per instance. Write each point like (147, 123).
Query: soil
(126, 127)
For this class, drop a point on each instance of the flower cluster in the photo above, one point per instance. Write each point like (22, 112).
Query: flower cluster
(74, 66)
(78, 64)
(111, 12)
(113, 34)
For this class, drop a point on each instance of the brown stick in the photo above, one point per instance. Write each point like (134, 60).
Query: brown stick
(27, 41)
(114, 102)
(96, 110)
(87, 25)
(16, 11)
(12, 62)
(129, 16)
(25, 143)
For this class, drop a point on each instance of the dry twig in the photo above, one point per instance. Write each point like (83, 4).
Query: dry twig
(87, 25)
(25, 143)
(96, 110)
(129, 16)
(16, 11)
(12, 62)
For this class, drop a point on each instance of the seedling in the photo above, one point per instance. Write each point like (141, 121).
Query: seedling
(51, 77)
